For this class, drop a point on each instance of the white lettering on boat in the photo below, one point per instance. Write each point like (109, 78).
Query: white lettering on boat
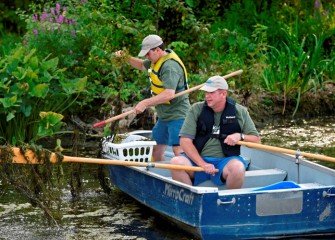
(178, 194)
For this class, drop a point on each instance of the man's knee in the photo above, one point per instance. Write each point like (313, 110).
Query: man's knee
(176, 160)
(235, 169)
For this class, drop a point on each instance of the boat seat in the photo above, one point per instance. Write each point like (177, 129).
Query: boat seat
(256, 178)
(263, 177)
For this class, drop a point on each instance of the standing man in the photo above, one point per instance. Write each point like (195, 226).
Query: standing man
(209, 138)
(168, 76)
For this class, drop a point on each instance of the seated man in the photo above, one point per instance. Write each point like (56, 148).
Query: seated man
(209, 138)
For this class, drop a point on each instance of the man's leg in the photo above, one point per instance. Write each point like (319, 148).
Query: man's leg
(158, 152)
(181, 175)
(234, 173)
(174, 129)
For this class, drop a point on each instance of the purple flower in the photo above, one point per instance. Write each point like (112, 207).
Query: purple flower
(24, 42)
(60, 19)
(70, 51)
(35, 32)
(35, 17)
(58, 8)
(52, 11)
(44, 17)
(317, 4)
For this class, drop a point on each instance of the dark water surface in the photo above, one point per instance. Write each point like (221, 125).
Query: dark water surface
(100, 216)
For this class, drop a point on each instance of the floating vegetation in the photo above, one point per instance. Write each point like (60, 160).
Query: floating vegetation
(40, 183)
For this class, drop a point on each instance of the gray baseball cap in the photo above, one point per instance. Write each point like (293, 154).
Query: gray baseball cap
(148, 43)
(214, 83)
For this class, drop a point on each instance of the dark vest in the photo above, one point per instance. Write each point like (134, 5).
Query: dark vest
(228, 125)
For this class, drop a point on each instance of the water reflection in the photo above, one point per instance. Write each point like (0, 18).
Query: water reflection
(97, 215)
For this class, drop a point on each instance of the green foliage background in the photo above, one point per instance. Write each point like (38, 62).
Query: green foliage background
(283, 47)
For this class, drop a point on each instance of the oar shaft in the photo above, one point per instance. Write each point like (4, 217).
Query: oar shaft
(131, 163)
(29, 157)
(102, 123)
(287, 151)
(112, 119)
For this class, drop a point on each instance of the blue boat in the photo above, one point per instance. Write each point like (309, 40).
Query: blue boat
(283, 196)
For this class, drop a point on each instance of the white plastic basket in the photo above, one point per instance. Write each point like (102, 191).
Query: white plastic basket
(133, 148)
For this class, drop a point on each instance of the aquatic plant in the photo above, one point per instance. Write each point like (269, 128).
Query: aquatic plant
(41, 183)
(33, 94)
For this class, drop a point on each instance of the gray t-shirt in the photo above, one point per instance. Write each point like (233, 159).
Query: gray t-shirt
(172, 77)
(212, 147)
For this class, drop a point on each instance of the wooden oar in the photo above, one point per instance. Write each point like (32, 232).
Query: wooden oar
(287, 151)
(30, 158)
(125, 114)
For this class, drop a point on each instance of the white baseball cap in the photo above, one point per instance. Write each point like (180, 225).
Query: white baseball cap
(148, 43)
(214, 83)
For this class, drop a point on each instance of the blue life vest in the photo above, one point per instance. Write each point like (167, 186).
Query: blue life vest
(228, 125)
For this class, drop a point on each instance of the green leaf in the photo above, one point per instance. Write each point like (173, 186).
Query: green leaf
(26, 110)
(31, 74)
(50, 64)
(27, 58)
(20, 73)
(40, 90)
(8, 102)
(74, 86)
(190, 3)
(33, 62)
(50, 118)
(49, 123)
(47, 76)
(10, 116)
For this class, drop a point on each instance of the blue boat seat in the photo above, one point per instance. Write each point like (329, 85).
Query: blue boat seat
(278, 185)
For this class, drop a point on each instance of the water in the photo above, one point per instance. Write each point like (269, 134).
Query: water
(100, 216)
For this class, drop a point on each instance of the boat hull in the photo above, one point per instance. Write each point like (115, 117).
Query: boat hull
(282, 196)
(246, 215)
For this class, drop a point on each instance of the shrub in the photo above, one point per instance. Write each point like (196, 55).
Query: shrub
(33, 94)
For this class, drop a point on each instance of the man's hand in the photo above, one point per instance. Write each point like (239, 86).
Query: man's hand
(232, 139)
(118, 53)
(209, 168)
(140, 107)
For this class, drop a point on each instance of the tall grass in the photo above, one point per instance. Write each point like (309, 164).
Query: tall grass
(292, 70)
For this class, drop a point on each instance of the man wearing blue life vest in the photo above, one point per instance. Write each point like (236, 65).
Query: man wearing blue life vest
(209, 138)
(167, 76)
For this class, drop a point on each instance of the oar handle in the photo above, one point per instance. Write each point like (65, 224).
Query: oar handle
(100, 124)
(287, 151)
(238, 72)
